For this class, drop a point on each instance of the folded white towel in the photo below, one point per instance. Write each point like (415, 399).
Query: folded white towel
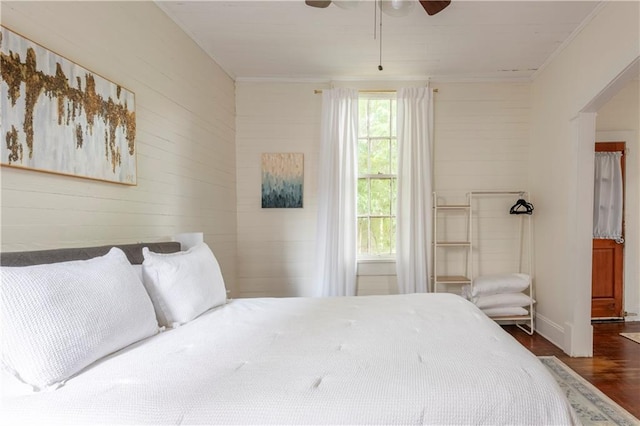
(505, 312)
(503, 300)
(486, 285)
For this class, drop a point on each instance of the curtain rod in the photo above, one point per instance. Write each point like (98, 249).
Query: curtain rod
(319, 91)
(497, 192)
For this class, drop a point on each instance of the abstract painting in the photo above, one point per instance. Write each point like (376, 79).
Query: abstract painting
(59, 117)
(282, 180)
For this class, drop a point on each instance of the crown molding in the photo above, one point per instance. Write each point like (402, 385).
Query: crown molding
(315, 80)
(420, 79)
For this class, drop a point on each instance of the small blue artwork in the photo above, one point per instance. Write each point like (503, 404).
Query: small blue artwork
(282, 180)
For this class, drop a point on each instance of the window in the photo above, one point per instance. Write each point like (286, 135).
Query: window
(377, 175)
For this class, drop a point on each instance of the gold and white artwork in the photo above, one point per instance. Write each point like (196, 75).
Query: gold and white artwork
(59, 117)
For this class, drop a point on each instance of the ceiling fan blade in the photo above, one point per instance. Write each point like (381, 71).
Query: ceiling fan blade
(318, 3)
(434, 6)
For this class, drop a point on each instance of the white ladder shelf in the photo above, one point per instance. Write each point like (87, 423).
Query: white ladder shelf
(442, 282)
(440, 211)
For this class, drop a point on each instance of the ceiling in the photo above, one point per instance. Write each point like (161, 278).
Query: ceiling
(467, 40)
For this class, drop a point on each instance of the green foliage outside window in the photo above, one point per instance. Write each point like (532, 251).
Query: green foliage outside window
(377, 169)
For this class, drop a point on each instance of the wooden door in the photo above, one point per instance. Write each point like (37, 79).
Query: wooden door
(607, 268)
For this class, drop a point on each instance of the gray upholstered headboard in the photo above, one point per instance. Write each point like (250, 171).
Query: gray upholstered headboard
(133, 252)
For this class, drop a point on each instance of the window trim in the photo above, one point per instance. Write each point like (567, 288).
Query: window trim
(392, 137)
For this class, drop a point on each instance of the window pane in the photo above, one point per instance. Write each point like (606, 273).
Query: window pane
(380, 157)
(377, 155)
(363, 157)
(380, 235)
(363, 197)
(363, 235)
(380, 197)
(379, 117)
(362, 118)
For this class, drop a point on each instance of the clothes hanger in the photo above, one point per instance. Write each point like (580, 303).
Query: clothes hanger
(521, 207)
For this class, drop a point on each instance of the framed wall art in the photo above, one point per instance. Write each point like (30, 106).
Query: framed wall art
(282, 180)
(61, 118)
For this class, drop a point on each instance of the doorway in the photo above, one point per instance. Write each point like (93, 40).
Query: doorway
(579, 335)
(608, 256)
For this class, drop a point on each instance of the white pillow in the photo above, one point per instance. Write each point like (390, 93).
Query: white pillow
(503, 300)
(183, 285)
(485, 285)
(59, 318)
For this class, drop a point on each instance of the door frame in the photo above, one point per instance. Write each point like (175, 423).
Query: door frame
(619, 261)
(631, 284)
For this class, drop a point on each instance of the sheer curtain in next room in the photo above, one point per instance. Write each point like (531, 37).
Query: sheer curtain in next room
(608, 193)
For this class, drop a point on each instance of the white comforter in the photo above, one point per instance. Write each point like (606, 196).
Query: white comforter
(408, 359)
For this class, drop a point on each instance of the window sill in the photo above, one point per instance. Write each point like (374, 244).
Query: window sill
(379, 259)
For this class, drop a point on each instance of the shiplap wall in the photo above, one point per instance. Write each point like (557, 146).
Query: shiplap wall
(481, 137)
(185, 108)
(481, 142)
(276, 247)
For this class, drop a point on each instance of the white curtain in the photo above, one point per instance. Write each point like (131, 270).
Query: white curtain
(413, 226)
(607, 196)
(337, 192)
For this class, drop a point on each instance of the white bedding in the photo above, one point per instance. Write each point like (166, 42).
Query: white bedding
(406, 359)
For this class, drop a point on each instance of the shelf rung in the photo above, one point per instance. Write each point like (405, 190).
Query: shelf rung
(452, 206)
(511, 318)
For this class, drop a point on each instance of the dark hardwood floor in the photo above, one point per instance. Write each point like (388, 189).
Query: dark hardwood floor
(614, 368)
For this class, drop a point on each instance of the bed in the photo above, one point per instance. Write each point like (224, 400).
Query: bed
(401, 359)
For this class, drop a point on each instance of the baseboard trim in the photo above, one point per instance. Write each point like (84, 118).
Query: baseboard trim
(550, 331)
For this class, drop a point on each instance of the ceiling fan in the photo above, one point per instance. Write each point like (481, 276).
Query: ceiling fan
(430, 6)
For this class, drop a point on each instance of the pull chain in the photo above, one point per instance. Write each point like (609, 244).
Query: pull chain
(376, 4)
(380, 63)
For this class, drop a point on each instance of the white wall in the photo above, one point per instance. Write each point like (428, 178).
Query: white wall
(276, 247)
(481, 142)
(185, 136)
(619, 120)
(558, 163)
